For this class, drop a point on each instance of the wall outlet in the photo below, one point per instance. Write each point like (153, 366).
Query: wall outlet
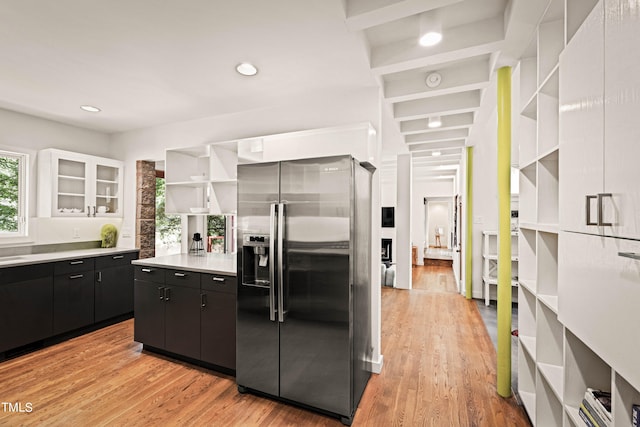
(76, 233)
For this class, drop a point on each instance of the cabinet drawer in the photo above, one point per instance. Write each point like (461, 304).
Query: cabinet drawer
(149, 274)
(115, 260)
(183, 278)
(73, 266)
(218, 282)
(23, 273)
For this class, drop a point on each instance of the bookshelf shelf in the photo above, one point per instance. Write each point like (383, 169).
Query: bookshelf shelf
(564, 346)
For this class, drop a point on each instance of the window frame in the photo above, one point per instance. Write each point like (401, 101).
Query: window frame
(23, 195)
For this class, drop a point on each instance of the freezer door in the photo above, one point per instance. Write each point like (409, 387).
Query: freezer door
(256, 333)
(315, 346)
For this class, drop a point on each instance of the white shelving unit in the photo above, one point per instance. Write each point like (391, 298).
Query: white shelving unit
(202, 180)
(490, 263)
(556, 363)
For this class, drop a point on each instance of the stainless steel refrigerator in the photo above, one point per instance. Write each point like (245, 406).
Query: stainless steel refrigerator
(304, 270)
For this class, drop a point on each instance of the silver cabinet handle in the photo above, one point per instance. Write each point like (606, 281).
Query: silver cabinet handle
(167, 294)
(99, 276)
(632, 255)
(203, 301)
(161, 292)
(601, 222)
(218, 279)
(118, 256)
(94, 211)
(145, 270)
(179, 274)
(589, 199)
(76, 262)
(76, 276)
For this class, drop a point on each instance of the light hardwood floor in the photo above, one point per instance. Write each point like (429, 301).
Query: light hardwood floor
(439, 370)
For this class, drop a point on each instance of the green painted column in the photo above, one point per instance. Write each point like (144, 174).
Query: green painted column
(504, 232)
(468, 249)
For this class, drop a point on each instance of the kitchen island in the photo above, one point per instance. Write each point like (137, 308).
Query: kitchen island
(185, 307)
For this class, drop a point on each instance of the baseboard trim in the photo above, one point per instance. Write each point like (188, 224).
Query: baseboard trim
(376, 365)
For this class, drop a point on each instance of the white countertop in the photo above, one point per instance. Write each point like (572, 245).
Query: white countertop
(18, 260)
(209, 263)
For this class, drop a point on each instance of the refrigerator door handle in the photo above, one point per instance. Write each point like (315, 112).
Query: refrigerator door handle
(272, 251)
(281, 217)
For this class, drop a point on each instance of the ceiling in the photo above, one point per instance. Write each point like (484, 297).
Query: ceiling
(147, 63)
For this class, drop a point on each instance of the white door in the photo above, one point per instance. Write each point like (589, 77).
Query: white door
(622, 118)
(582, 124)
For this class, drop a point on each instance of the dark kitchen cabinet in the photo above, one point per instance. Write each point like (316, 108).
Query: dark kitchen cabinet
(149, 306)
(218, 320)
(167, 313)
(26, 305)
(73, 294)
(113, 285)
(187, 313)
(182, 320)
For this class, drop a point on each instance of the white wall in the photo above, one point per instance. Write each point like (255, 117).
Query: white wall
(24, 133)
(403, 221)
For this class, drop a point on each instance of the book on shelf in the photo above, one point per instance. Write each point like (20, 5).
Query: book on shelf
(593, 415)
(600, 401)
(587, 421)
(635, 415)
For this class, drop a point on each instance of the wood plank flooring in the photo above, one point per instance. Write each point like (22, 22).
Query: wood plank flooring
(439, 370)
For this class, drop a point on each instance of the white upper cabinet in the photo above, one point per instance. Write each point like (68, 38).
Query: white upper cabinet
(600, 123)
(74, 184)
(582, 123)
(622, 118)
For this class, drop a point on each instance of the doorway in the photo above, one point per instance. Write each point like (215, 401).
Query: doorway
(439, 224)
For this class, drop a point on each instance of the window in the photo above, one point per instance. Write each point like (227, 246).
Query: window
(13, 194)
(220, 233)
(168, 227)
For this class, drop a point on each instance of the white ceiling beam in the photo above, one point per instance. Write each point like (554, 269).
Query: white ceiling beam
(462, 78)
(479, 38)
(440, 158)
(445, 135)
(437, 145)
(436, 172)
(363, 14)
(455, 121)
(448, 163)
(442, 105)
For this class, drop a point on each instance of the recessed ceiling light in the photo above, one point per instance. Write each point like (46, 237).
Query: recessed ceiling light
(431, 38)
(436, 153)
(246, 69)
(434, 122)
(430, 29)
(90, 108)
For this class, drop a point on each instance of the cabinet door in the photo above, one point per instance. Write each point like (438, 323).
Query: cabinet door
(26, 305)
(114, 285)
(70, 185)
(106, 187)
(218, 328)
(114, 292)
(182, 321)
(598, 294)
(622, 125)
(149, 313)
(582, 123)
(72, 301)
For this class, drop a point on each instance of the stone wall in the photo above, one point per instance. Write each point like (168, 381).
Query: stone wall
(146, 208)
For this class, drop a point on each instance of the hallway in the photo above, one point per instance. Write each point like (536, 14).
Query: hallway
(439, 362)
